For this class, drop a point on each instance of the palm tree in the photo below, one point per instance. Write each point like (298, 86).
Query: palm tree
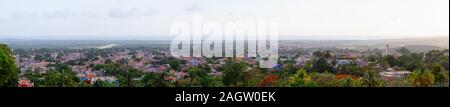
(372, 79)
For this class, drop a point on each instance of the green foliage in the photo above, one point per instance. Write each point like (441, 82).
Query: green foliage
(232, 72)
(59, 79)
(390, 60)
(186, 83)
(111, 69)
(372, 58)
(5, 49)
(324, 79)
(154, 80)
(252, 78)
(301, 79)
(411, 61)
(61, 67)
(130, 78)
(349, 82)
(199, 77)
(445, 81)
(8, 69)
(422, 78)
(403, 51)
(175, 64)
(320, 65)
(372, 79)
(195, 72)
(33, 77)
(84, 84)
(101, 83)
(351, 69)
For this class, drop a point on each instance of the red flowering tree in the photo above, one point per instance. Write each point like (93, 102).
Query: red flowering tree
(269, 80)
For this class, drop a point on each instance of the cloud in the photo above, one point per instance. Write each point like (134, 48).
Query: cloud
(23, 16)
(89, 14)
(65, 13)
(132, 12)
(117, 12)
(149, 12)
(193, 8)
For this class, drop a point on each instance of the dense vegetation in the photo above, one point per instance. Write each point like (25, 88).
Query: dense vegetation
(8, 69)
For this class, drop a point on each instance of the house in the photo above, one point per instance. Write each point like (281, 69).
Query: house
(392, 73)
(342, 62)
(362, 63)
(40, 66)
(24, 82)
(215, 73)
(395, 74)
(107, 78)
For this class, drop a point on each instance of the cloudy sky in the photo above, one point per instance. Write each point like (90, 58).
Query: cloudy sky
(144, 19)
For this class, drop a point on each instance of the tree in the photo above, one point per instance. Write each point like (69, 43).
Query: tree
(269, 80)
(154, 80)
(101, 83)
(372, 58)
(5, 49)
(403, 51)
(372, 79)
(199, 77)
(33, 77)
(445, 79)
(422, 78)
(111, 69)
(175, 64)
(184, 83)
(390, 60)
(251, 77)
(232, 72)
(60, 79)
(196, 72)
(349, 82)
(301, 79)
(327, 54)
(432, 55)
(8, 69)
(61, 67)
(411, 61)
(128, 79)
(318, 54)
(320, 65)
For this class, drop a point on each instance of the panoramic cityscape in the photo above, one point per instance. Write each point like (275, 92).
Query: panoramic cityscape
(310, 43)
(81, 63)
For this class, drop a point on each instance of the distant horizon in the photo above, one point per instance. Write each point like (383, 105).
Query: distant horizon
(156, 37)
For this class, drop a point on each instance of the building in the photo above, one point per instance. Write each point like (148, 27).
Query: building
(391, 73)
(386, 50)
(24, 82)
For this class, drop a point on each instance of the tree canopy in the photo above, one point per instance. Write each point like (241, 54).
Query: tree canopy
(8, 69)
